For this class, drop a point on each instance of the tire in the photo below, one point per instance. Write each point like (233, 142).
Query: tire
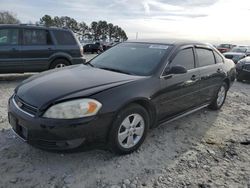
(220, 98)
(59, 63)
(123, 137)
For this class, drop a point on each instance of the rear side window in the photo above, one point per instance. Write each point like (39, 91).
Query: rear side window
(218, 58)
(36, 37)
(8, 37)
(205, 57)
(64, 38)
(184, 58)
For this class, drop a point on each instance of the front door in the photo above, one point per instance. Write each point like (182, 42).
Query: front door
(10, 60)
(180, 92)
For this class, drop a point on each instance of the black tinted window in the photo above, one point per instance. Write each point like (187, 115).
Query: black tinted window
(64, 38)
(134, 58)
(34, 37)
(218, 58)
(184, 58)
(8, 36)
(205, 57)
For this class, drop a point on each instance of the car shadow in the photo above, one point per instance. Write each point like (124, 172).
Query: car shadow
(162, 147)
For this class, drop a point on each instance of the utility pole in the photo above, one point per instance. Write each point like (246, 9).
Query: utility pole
(136, 36)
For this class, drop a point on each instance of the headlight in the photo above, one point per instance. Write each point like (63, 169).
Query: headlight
(73, 109)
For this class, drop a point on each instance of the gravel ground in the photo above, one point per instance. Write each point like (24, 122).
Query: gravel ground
(205, 149)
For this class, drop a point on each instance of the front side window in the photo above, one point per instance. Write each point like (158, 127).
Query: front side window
(218, 58)
(184, 58)
(132, 58)
(34, 37)
(8, 37)
(205, 57)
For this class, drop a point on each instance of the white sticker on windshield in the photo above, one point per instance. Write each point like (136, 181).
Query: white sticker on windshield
(161, 47)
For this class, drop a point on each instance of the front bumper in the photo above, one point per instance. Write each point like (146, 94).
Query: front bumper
(57, 134)
(78, 60)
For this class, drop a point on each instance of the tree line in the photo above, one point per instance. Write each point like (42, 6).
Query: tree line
(97, 30)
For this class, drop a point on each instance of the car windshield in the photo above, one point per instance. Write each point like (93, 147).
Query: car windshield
(239, 49)
(132, 58)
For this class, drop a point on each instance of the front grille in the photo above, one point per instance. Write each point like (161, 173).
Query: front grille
(24, 106)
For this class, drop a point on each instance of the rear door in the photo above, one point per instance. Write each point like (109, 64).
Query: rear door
(10, 60)
(211, 72)
(37, 47)
(180, 92)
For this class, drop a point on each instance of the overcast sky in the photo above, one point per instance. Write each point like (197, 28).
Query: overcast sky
(209, 20)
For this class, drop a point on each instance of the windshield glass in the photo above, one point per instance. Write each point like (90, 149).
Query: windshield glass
(239, 49)
(132, 58)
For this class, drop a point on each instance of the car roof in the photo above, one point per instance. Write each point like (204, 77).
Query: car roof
(27, 26)
(175, 42)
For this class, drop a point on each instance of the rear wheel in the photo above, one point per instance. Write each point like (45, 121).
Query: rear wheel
(129, 129)
(220, 98)
(59, 63)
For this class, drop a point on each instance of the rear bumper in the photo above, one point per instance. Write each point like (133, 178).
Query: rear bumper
(58, 134)
(78, 60)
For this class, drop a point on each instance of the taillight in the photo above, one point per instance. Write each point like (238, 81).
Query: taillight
(81, 51)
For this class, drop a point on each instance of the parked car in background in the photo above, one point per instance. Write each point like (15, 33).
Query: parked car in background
(117, 96)
(241, 49)
(26, 48)
(93, 48)
(243, 69)
(235, 56)
(225, 47)
(109, 45)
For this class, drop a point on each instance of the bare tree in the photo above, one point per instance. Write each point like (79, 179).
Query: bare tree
(8, 18)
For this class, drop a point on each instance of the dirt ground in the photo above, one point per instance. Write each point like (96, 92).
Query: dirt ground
(205, 149)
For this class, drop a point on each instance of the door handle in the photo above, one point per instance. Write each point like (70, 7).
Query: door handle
(14, 49)
(219, 70)
(193, 78)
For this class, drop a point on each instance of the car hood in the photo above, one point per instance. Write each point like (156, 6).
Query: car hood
(47, 87)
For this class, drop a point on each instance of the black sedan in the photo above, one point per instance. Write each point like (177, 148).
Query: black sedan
(119, 95)
(93, 48)
(243, 69)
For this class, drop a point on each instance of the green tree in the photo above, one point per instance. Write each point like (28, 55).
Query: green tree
(94, 30)
(83, 28)
(8, 18)
(47, 20)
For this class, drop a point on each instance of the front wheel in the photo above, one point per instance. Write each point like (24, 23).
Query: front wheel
(129, 129)
(220, 98)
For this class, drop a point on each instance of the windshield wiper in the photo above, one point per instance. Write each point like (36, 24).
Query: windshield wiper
(88, 63)
(116, 70)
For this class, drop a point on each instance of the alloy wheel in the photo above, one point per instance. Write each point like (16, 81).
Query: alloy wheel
(60, 65)
(131, 131)
(221, 96)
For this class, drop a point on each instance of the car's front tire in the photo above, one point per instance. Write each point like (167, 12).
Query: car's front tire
(129, 129)
(220, 98)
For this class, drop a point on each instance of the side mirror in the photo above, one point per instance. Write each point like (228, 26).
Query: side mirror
(178, 69)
